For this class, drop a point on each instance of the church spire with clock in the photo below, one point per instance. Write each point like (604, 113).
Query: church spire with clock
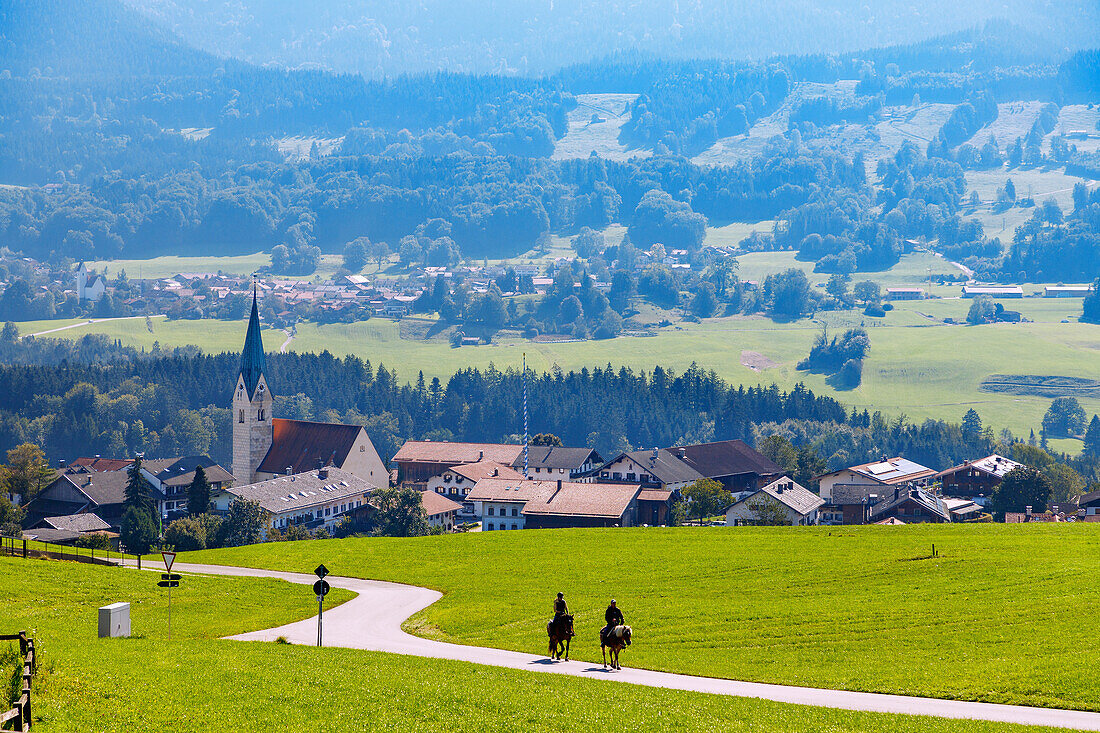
(252, 403)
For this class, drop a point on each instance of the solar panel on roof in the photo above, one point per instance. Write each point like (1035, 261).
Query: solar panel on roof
(881, 468)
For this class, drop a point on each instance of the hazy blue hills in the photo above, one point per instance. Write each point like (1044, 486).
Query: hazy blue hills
(538, 36)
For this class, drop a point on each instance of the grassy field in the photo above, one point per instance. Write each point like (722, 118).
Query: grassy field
(195, 682)
(917, 365)
(1003, 614)
(602, 136)
(169, 265)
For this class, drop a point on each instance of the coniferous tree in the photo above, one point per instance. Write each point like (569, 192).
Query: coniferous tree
(198, 493)
(138, 492)
(1092, 437)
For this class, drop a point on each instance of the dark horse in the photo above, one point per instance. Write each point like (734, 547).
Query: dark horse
(617, 639)
(560, 631)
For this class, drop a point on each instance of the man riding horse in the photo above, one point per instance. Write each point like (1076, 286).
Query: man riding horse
(614, 617)
(560, 629)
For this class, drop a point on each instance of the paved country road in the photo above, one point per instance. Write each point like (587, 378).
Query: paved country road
(372, 620)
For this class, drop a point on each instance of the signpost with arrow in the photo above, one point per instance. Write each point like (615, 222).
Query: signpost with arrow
(169, 580)
(320, 588)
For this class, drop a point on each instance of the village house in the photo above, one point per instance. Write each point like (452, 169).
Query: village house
(441, 511)
(1089, 506)
(554, 462)
(510, 504)
(457, 481)
(976, 479)
(993, 291)
(102, 493)
(850, 492)
(67, 529)
(731, 463)
(265, 446)
(782, 497)
(312, 500)
(905, 293)
(962, 509)
(912, 506)
(418, 461)
(173, 477)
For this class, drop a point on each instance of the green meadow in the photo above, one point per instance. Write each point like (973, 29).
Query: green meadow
(918, 365)
(195, 683)
(1003, 613)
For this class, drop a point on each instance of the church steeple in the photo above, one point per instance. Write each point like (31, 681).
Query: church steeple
(253, 360)
(252, 403)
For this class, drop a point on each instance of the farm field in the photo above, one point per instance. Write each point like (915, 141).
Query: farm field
(169, 265)
(1001, 615)
(149, 683)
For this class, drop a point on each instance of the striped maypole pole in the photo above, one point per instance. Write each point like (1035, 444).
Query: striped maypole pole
(525, 440)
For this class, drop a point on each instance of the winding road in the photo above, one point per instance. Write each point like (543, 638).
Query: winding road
(372, 621)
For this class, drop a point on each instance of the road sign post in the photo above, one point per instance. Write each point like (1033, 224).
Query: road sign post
(320, 588)
(169, 581)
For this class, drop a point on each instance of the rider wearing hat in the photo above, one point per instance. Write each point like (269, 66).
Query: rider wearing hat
(614, 617)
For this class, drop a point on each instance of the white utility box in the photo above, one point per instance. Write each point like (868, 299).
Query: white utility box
(114, 620)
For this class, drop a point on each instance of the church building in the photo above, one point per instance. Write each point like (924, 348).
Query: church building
(265, 446)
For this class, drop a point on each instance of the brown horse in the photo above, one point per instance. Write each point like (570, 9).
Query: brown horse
(560, 632)
(616, 640)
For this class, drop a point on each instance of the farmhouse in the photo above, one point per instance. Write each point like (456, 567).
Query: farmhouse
(554, 462)
(80, 493)
(730, 462)
(440, 510)
(510, 504)
(1066, 291)
(912, 506)
(976, 478)
(782, 497)
(312, 499)
(173, 477)
(905, 293)
(998, 291)
(850, 492)
(265, 447)
(1089, 506)
(67, 529)
(418, 461)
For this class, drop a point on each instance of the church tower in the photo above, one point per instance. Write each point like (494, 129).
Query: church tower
(252, 403)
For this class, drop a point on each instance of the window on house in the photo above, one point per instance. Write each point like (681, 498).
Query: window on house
(240, 418)
(491, 526)
(327, 510)
(513, 526)
(617, 476)
(537, 469)
(514, 513)
(490, 511)
(261, 416)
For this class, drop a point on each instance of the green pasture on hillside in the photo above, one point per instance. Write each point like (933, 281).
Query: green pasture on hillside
(196, 683)
(1005, 613)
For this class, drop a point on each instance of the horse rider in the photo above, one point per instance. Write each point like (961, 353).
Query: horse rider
(561, 609)
(614, 617)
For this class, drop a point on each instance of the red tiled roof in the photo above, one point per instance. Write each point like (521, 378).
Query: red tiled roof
(427, 451)
(102, 464)
(437, 504)
(485, 469)
(299, 444)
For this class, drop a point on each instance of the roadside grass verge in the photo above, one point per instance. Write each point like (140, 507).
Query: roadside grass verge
(1004, 614)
